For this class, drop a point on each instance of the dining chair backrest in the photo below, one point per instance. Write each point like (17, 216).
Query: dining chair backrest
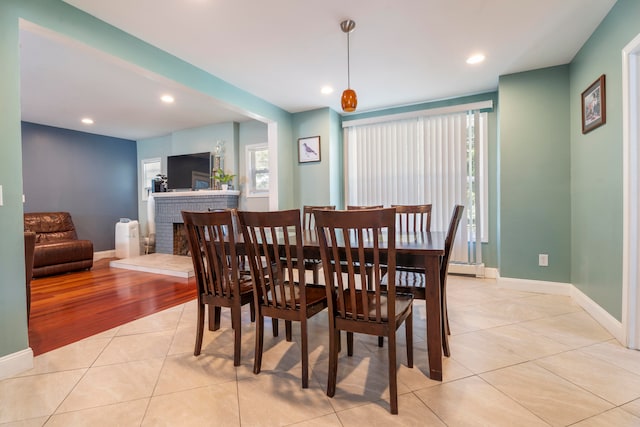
(360, 207)
(213, 252)
(449, 240)
(308, 219)
(275, 239)
(413, 217)
(358, 236)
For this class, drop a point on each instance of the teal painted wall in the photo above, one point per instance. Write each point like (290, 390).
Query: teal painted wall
(13, 312)
(68, 21)
(336, 159)
(311, 181)
(535, 209)
(596, 162)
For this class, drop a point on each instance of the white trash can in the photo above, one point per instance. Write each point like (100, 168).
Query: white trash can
(127, 238)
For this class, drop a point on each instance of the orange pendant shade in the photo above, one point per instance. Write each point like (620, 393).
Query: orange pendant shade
(349, 100)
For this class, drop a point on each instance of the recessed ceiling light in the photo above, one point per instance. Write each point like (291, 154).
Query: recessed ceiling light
(475, 59)
(167, 99)
(326, 90)
(87, 121)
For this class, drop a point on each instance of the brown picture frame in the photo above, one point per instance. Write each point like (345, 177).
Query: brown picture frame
(309, 149)
(594, 105)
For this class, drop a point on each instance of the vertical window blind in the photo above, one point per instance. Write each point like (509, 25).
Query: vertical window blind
(426, 159)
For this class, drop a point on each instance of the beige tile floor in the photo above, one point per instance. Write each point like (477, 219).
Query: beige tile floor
(518, 359)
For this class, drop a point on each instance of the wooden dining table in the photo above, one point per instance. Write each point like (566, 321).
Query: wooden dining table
(413, 249)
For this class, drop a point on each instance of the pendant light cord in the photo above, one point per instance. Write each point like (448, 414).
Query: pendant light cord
(348, 62)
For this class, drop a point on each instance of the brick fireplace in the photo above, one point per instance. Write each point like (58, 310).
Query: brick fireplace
(169, 218)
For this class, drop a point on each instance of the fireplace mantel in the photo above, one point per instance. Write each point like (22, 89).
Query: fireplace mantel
(168, 208)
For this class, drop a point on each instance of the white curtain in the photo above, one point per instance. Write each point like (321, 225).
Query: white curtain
(415, 161)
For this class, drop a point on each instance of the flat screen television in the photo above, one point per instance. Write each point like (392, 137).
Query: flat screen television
(189, 171)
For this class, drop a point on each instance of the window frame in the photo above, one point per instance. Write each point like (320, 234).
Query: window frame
(250, 151)
(146, 183)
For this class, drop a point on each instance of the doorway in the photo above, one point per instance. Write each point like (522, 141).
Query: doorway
(631, 190)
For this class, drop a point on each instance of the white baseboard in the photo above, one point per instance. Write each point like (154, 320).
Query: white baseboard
(607, 321)
(14, 363)
(600, 315)
(491, 273)
(104, 254)
(539, 286)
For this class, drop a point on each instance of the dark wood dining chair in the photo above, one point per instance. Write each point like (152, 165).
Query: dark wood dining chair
(356, 302)
(218, 276)
(274, 240)
(414, 281)
(413, 217)
(308, 223)
(410, 218)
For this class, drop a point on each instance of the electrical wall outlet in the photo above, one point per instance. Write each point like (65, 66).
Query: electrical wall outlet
(1, 202)
(543, 260)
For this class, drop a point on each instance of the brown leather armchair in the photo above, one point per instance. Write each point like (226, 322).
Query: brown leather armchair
(57, 249)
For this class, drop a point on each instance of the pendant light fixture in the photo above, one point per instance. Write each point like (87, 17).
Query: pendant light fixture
(349, 97)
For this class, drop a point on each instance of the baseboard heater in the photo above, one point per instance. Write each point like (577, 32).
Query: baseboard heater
(476, 270)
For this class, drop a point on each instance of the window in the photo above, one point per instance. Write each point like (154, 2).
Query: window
(150, 168)
(257, 170)
(438, 159)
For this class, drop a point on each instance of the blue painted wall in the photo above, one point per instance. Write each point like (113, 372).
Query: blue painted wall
(91, 176)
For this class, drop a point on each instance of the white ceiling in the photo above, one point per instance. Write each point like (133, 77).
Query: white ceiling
(284, 51)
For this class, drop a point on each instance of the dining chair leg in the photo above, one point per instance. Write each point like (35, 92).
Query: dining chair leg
(393, 379)
(332, 375)
(380, 341)
(287, 330)
(349, 343)
(316, 279)
(252, 310)
(408, 325)
(444, 329)
(214, 317)
(199, 330)
(274, 325)
(305, 353)
(237, 331)
(445, 343)
(257, 359)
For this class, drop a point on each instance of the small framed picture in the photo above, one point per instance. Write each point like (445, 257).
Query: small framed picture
(309, 149)
(594, 111)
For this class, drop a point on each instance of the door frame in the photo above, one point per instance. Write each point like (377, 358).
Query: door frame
(631, 190)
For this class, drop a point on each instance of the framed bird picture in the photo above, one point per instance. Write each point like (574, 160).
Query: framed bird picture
(309, 149)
